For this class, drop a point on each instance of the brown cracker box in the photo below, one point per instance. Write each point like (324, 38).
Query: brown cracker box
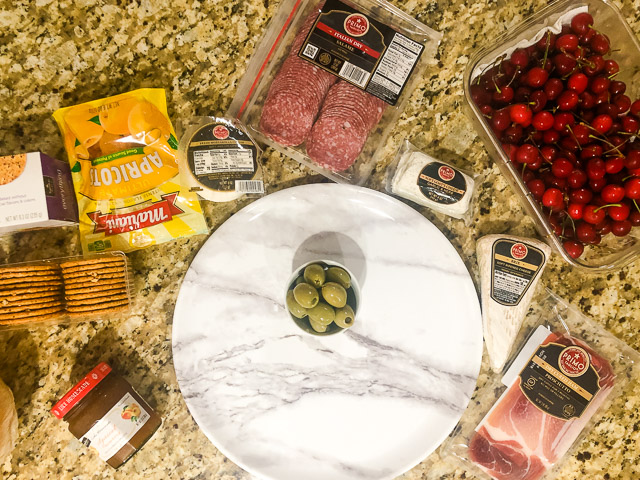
(35, 191)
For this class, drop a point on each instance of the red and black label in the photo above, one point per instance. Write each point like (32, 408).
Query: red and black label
(441, 183)
(361, 51)
(219, 153)
(514, 265)
(560, 380)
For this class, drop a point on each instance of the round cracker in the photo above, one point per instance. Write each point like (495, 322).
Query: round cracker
(82, 268)
(92, 273)
(90, 308)
(91, 261)
(90, 293)
(33, 319)
(98, 300)
(29, 291)
(31, 313)
(38, 278)
(5, 302)
(87, 287)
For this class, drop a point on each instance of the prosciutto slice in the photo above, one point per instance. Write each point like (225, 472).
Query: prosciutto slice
(518, 441)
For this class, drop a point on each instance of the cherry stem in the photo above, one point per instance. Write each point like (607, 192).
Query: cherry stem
(612, 75)
(636, 204)
(604, 139)
(574, 137)
(607, 205)
(546, 52)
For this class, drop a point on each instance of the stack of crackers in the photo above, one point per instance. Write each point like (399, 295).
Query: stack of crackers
(37, 292)
(30, 293)
(95, 285)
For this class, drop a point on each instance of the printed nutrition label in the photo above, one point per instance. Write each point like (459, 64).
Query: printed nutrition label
(222, 160)
(396, 64)
(506, 285)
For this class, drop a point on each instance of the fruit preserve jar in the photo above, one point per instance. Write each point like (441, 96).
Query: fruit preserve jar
(103, 411)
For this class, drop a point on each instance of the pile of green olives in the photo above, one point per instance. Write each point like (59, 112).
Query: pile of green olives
(322, 295)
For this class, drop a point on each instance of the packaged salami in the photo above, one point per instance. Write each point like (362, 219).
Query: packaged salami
(329, 80)
(427, 181)
(561, 380)
(122, 151)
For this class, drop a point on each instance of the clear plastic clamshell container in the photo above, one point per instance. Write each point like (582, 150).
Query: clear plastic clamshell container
(613, 252)
(322, 45)
(64, 289)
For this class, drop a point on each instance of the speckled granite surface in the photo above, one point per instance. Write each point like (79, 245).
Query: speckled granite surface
(198, 51)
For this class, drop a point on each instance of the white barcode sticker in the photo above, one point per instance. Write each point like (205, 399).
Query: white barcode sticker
(354, 74)
(249, 186)
(310, 51)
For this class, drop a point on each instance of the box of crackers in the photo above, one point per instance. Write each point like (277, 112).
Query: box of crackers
(59, 289)
(36, 191)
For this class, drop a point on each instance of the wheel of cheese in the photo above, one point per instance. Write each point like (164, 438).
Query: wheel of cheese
(8, 421)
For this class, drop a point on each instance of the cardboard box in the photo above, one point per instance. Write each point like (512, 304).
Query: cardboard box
(35, 191)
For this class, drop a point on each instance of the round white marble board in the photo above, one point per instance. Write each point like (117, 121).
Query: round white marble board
(368, 403)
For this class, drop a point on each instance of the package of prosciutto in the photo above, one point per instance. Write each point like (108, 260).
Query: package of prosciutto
(559, 383)
(329, 80)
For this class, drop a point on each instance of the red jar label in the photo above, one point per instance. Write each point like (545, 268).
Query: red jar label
(80, 390)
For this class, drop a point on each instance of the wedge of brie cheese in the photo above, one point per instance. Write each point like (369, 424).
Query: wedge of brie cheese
(510, 268)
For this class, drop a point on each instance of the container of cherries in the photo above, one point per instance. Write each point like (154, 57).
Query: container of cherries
(557, 103)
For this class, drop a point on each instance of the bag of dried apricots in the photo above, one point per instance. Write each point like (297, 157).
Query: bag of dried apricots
(122, 152)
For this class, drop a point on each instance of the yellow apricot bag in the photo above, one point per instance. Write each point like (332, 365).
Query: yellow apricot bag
(122, 152)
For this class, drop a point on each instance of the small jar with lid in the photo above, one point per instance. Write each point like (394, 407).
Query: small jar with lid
(105, 412)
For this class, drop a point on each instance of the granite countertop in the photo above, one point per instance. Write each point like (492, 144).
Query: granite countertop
(198, 52)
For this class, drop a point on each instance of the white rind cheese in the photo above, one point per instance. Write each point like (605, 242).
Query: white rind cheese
(444, 189)
(510, 268)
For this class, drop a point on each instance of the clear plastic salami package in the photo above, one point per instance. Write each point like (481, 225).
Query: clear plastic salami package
(122, 151)
(558, 384)
(329, 80)
(427, 181)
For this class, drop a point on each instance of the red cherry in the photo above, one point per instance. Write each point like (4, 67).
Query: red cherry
(585, 232)
(521, 114)
(520, 58)
(635, 107)
(597, 184)
(632, 160)
(504, 95)
(561, 120)
(595, 169)
(623, 103)
(632, 188)
(611, 67)
(550, 136)
(575, 210)
(630, 124)
(574, 249)
(594, 64)
(593, 214)
(577, 178)
(581, 23)
(567, 42)
(581, 195)
(614, 165)
(500, 120)
(538, 100)
(542, 121)
(553, 88)
(622, 228)
(578, 82)
(510, 150)
(619, 213)
(548, 153)
(536, 77)
(564, 63)
(527, 153)
(568, 100)
(634, 218)
(612, 193)
(562, 168)
(553, 198)
(602, 123)
(581, 134)
(600, 84)
(537, 188)
(600, 43)
(590, 151)
(617, 87)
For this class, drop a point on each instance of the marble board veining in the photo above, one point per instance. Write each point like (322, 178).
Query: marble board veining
(368, 403)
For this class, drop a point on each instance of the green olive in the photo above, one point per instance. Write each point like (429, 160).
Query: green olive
(334, 294)
(314, 275)
(294, 307)
(318, 327)
(339, 275)
(322, 313)
(345, 316)
(298, 281)
(306, 295)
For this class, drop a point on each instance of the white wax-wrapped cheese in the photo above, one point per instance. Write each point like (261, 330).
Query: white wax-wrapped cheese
(426, 181)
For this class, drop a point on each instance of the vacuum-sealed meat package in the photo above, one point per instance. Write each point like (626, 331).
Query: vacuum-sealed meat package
(329, 80)
(558, 384)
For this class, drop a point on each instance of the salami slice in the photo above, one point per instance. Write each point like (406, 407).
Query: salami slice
(295, 95)
(347, 117)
